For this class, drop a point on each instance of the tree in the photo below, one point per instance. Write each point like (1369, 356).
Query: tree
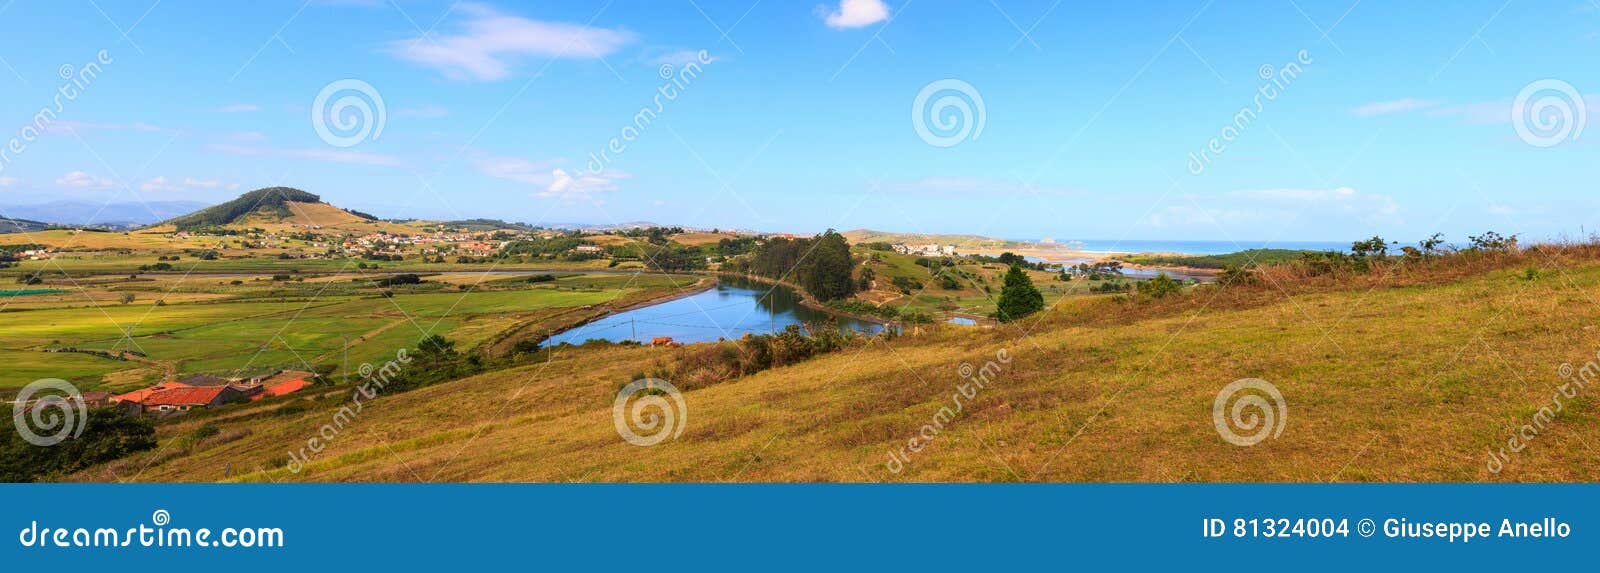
(1018, 297)
(126, 298)
(826, 274)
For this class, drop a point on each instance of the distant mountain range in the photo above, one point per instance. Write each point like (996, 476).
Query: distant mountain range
(116, 215)
(21, 225)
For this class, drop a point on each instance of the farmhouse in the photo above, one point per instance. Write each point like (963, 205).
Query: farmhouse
(184, 399)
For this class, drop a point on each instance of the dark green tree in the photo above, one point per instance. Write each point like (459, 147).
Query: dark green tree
(826, 273)
(108, 434)
(1018, 297)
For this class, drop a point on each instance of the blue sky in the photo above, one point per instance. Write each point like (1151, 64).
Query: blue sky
(1397, 121)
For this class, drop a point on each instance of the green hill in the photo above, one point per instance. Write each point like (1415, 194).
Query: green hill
(1241, 258)
(271, 200)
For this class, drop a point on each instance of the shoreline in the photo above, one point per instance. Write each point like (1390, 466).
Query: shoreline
(805, 300)
(704, 284)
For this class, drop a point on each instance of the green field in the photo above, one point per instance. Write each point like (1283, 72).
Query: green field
(263, 324)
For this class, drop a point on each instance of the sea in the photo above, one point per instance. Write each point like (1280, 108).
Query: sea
(1195, 247)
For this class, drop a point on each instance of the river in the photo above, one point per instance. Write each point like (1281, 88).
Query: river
(730, 310)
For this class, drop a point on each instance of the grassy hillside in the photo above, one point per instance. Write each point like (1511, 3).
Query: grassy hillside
(1241, 258)
(1403, 373)
(268, 199)
(964, 243)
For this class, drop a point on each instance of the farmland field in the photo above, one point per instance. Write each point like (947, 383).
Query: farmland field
(172, 325)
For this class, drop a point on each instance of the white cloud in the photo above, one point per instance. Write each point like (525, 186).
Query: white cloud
(238, 108)
(315, 154)
(83, 180)
(7, 181)
(857, 14)
(491, 42)
(565, 185)
(201, 184)
(1394, 106)
(157, 184)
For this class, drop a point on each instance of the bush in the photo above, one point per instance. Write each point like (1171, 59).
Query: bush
(1237, 275)
(1160, 286)
(1492, 242)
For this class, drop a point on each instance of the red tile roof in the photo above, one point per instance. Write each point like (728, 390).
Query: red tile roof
(200, 396)
(282, 388)
(140, 395)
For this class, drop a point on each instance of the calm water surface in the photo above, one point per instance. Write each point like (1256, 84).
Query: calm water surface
(730, 310)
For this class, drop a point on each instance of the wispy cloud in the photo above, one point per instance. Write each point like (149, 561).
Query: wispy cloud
(328, 155)
(1483, 112)
(564, 185)
(157, 184)
(552, 181)
(1394, 106)
(424, 112)
(1252, 208)
(958, 186)
(238, 108)
(518, 170)
(677, 57)
(856, 14)
(8, 181)
(1366, 206)
(490, 43)
(193, 183)
(83, 180)
(84, 126)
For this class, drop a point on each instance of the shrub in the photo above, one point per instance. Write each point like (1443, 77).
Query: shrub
(1160, 286)
(1237, 275)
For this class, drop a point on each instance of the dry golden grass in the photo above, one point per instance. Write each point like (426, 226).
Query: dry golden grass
(697, 239)
(1411, 376)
